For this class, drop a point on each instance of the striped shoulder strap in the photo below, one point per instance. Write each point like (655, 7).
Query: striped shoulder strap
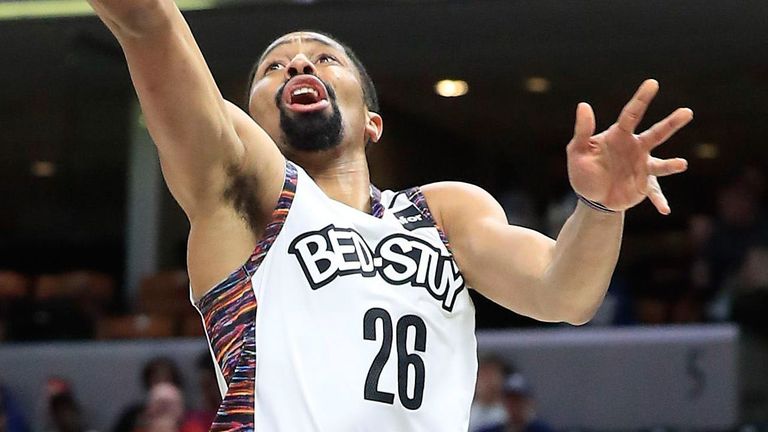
(417, 198)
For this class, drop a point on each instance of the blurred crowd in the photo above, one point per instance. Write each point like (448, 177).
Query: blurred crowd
(163, 408)
(711, 266)
(504, 402)
(85, 304)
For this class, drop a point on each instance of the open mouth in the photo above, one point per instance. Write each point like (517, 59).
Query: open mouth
(305, 93)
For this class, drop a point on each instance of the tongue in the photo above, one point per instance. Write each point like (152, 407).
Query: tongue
(304, 99)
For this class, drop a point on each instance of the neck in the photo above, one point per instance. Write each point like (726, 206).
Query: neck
(341, 174)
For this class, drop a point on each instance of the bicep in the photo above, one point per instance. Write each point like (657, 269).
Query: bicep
(507, 264)
(504, 263)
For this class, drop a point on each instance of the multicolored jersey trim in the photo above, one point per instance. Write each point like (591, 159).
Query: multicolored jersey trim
(416, 196)
(229, 313)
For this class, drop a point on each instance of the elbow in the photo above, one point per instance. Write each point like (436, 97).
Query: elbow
(581, 313)
(575, 303)
(573, 311)
(580, 318)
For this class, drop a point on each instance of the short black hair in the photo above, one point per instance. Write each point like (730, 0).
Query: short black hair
(369, 90)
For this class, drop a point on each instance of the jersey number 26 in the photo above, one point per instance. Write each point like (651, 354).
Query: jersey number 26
(404, 359)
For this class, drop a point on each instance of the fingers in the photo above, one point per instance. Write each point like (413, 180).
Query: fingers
(635, 109)
(584, 128)
(664, 167)
(585, 123)
(661, 131)
(657, 197)
(659, 168)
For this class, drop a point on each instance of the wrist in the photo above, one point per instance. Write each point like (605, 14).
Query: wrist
(594, 205)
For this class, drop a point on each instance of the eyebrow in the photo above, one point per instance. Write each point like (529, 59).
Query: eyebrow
(276, 45)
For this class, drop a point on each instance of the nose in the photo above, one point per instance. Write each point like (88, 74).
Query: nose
(299, 65)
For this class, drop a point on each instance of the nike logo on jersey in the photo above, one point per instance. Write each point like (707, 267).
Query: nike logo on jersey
(411, 218)
(398, 259)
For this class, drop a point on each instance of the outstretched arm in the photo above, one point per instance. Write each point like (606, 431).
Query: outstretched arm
(200, 137)
(563, 280)
(203, 141)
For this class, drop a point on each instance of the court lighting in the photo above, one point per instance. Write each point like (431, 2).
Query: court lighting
(43, 169)
(451, 88)
(706, 150)
(537, 84)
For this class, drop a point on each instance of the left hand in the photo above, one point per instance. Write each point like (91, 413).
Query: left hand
(615, 167)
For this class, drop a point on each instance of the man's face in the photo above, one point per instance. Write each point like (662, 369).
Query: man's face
(307, 95)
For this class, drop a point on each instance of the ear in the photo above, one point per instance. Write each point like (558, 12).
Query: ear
(375, 126)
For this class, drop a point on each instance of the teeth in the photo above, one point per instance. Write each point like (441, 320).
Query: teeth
(304, 90)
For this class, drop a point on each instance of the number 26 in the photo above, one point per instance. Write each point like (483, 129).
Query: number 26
(404, 359)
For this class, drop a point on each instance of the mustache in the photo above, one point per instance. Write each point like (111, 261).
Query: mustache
(279, 93)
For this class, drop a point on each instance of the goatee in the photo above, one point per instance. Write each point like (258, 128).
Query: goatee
(312, 131)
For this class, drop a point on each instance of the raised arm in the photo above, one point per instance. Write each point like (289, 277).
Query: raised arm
(207, 146)
(521, 269)
(563, 280)
(201, 138)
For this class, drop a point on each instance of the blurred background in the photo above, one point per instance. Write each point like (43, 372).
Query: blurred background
(93, 287)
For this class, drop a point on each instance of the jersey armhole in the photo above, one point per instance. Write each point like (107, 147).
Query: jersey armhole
(416, 196)
(270, 233)
(279, 215)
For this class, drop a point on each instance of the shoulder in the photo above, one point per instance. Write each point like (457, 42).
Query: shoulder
(452, 193)
(452, 187)
(454, 202)
(461, 210)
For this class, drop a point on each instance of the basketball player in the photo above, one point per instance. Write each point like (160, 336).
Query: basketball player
(332, 306)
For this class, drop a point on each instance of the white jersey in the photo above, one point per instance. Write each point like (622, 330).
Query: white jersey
(344, 321)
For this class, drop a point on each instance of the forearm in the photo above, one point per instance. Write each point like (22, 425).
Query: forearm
(133, 18)
(183, 108)
(584, 258)
(177, 93)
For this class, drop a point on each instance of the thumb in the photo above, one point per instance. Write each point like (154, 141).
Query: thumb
(585, 123)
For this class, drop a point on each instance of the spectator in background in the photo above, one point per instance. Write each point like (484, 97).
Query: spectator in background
(750, 293)
(58, 409)
(11, 419)
(164, 412)
(156, 371)
(488, 405)
(739, 227)
(210, 397)
(520, 407)
(164, 409)
(65, 413)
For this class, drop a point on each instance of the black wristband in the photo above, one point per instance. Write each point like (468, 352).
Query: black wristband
(595, 205)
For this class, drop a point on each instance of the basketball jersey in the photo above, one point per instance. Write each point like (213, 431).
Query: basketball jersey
(344, 321)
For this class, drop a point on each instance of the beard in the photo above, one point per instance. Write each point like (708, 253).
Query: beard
(312, 131)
